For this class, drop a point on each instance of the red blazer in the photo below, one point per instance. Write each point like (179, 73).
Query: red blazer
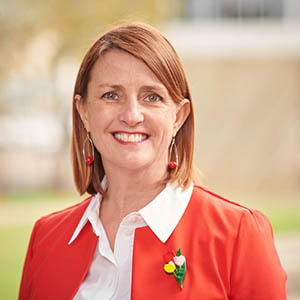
(229, 253)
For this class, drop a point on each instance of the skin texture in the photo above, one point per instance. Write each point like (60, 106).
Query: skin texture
(124, 95)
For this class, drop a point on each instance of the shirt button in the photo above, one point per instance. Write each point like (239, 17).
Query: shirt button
(128, 232)
(133, 219)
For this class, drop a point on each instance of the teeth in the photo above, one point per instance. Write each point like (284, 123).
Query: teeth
(125, 137)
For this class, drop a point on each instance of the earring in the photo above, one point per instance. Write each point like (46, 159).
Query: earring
(88, 159)
(173, 164)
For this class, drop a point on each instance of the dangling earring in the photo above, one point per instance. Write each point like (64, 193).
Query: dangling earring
(173, 164)
(88, 159)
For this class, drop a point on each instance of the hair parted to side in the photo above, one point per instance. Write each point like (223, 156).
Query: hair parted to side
(148, 44)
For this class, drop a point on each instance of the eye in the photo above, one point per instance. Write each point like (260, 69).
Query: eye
(153, 98)
(110, 96)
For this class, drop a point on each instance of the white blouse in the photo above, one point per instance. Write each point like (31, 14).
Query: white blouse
(109, 276)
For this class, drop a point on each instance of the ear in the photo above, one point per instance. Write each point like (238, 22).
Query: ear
(82, 110)
(183, 111)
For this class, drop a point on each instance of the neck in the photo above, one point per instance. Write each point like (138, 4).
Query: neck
(131, 190)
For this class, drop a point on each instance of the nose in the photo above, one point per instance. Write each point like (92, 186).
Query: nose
(131, 113)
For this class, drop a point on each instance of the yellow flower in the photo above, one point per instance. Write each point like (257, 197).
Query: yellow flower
(170, 267)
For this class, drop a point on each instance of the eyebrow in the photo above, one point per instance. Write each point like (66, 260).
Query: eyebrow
(109, 85)
(154, 87)
(159, 87)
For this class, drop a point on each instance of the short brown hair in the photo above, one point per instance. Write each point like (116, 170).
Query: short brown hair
(149, 45)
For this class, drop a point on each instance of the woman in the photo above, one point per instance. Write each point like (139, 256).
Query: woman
(146, 231)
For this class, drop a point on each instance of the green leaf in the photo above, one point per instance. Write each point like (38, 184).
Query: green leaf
(178, 253)
(179, 274)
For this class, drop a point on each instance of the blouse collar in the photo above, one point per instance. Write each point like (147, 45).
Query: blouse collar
(162, 214)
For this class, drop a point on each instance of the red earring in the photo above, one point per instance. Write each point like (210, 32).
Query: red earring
(173, 164)
(88, 159)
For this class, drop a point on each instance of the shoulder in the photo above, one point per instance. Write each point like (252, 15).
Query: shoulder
(223, 213)
(62, 219)
(75, 209)
(211, 200)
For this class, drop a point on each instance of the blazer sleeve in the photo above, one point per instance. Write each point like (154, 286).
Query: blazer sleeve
(25, 285)
(256, 272)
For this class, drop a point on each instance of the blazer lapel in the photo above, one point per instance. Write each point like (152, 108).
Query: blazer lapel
(149, 280)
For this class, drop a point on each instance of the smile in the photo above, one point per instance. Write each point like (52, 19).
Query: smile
(130, 137)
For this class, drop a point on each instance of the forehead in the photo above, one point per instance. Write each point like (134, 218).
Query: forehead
(118, 65)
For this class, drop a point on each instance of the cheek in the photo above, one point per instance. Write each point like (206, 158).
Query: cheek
(97, 118)
(96, 124)
(97, 128)
(167, 122)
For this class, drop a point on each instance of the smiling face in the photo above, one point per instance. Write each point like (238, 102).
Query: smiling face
(130, 114)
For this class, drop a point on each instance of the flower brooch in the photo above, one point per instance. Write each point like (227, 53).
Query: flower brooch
(176, 265)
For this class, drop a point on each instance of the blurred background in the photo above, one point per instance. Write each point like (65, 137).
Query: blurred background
(242, 59)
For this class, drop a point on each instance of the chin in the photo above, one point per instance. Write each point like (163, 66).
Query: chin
(138, 164)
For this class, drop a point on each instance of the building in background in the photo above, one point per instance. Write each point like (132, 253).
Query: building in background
(240, 9)
(243, 63)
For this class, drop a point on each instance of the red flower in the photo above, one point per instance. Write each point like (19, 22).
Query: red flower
(169, 256)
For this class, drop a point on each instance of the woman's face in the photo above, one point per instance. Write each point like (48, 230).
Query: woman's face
(129, 113)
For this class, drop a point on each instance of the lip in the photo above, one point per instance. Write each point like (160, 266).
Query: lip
(130, 132)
